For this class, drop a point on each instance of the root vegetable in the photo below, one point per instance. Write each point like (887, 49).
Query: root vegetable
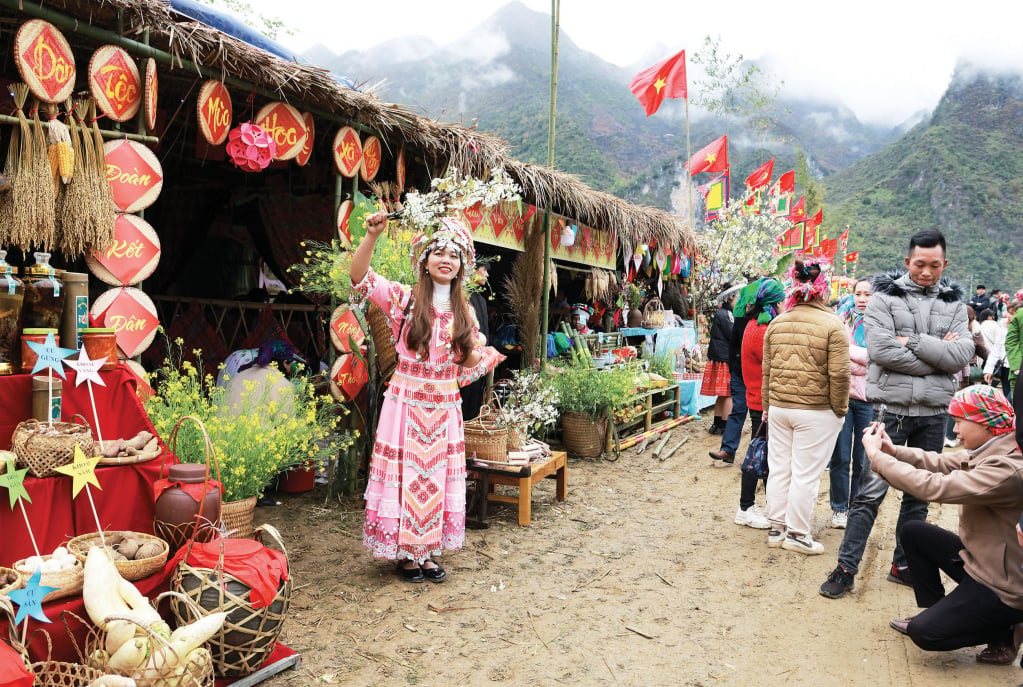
(149, 550)
(130, 656)
(139, 441)
(104, 597)
(183, 641)
(113, 681)
(129, 547)
(119, 632)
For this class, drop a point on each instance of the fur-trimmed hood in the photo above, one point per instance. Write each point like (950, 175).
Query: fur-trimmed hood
(898, 284)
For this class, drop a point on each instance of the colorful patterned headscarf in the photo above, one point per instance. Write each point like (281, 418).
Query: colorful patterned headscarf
(803, 291)
(984, 405)
(451, 234)
(766, 293)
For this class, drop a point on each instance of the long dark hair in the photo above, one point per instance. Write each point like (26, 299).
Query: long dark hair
(420, 318)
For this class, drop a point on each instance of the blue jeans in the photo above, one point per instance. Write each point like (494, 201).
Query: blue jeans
(927, 433)
(733, 426)
(849, 447)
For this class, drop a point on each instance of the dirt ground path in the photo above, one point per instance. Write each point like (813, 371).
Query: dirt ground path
(639, 578)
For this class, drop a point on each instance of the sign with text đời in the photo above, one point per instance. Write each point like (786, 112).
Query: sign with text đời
(45, 60)
(115, 83)
(214, 111)
(131, 257)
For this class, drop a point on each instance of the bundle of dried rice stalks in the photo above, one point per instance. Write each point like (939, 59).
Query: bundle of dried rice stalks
(17, 206)
(102, 229)
(525, 286)
(42, 185)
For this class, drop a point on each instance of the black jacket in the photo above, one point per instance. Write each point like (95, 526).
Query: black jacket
(720, 335)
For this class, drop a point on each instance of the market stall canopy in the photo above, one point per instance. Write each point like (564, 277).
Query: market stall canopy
(173, 32)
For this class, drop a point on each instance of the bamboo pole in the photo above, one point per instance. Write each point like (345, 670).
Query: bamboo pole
(551, 121)
(106, 133)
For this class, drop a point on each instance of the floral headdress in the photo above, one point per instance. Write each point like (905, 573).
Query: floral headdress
(802, 291)
(451, 234)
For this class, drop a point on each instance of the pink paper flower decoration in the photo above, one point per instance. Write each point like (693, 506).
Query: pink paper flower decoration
(250, 147)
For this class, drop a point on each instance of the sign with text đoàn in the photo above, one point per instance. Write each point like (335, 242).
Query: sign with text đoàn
(214, 111)
(131, 314)
(131, 257)
(285, 126)
(347, 151)
(134, 174)
(45, 60)
(115, 83)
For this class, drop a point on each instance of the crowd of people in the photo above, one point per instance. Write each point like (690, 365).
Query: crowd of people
(867, 387)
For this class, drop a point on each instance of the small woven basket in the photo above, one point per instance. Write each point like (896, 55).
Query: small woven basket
(249, 634)
(130, 570)
(42, 448)
(13, 585)
(67, 582)
(518, 435)
(485, 438)
(63, 674)
(653, 314)
(237, 517)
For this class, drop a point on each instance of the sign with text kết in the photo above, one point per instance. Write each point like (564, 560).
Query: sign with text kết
(115, 83)
(214, 111)
(131, 257)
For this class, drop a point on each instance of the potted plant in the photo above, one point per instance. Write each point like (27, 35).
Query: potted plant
(263, 432)
(629, 300)
(586, 397)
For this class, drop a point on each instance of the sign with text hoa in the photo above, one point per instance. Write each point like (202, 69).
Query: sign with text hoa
(214, 111)
(131, 257)
(115, 83)
(286, 127)
(347, 151)
(134, 174)
(45, 60)
(131, 314)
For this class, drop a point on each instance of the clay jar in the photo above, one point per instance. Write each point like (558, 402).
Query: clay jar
(176, 508)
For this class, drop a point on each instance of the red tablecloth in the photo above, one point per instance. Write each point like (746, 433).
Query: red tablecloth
(125, 500)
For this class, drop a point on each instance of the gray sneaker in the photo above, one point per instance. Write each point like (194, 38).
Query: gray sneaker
(775, 537)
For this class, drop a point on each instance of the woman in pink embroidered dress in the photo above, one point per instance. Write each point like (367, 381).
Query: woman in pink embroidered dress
(415, 496)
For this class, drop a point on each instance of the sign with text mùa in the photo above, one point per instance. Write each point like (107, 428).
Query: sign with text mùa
(115, 83)
(286, 128)
(131, 257)
(134, 174)
(347, 151)
(45, 60)
(307, 150)
(214, 111)
(131, 314)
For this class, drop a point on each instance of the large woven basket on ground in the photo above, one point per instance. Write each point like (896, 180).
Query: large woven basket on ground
(43, 447)
(582, 434)
(249, 634)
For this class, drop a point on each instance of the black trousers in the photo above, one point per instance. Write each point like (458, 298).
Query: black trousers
(748, 488)
(971, 614)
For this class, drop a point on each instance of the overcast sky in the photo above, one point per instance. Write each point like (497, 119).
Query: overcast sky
(886, 59)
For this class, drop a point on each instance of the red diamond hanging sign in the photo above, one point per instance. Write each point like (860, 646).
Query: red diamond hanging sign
(134, 173)
(131, 257)
(45, 60)
(344, 232)
(214, 112)
(345, 330)
(348, 376)
(371, 156)
(115, 83)
(132, 315)
(498, 220)
(347, 151)
(474, 216)
(286, 127)
(307, 149)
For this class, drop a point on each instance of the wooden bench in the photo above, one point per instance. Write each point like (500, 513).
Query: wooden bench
(524, 477)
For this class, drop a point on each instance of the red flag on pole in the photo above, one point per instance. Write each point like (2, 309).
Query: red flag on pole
(761, 176)
(798, 212)
(843, 240)
(713, 158)
(665, 79)
(786, 184)
(852, 257)
(816, 219)
(809, 236)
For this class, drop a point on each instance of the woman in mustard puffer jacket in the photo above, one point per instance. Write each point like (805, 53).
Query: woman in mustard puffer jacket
(805, 397)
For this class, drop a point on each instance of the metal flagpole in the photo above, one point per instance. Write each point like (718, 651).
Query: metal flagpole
(545, 295)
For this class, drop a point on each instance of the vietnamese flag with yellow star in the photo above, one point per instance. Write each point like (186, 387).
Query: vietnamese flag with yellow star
(713, 158)
(761, 176)
(665, 79)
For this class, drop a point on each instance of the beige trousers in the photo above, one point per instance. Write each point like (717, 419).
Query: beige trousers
(799, 446)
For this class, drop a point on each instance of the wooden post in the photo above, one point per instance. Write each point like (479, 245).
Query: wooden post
(552, 118)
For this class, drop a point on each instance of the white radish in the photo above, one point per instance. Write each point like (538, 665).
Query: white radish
(182, 641)
(113, 681)
(118, 633)
(130, 656)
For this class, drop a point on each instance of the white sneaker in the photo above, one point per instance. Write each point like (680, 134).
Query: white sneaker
(752, 517)
(775, 536)
(803, 543)
(839, 519)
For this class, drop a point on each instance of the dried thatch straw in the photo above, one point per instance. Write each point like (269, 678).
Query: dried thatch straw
(525, 287)
(42, 186)
(17, 211)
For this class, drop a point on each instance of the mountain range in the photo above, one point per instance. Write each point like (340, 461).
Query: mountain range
(957, 168)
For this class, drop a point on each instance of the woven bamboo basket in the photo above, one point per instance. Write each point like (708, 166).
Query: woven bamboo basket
(518, 435)
(13, 585)
(67, 582)
(42, 449)
(484, 438)
(193, 670)
(130, 570)
(380, 329)
(582, 434)
(653, 314)
(249, 634)
(63, 674)
(238, 516)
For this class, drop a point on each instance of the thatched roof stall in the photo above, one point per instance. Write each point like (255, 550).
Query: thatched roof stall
(318, 91)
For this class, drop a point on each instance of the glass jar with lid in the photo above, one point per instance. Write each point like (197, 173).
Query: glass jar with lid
(44, 295)
(12, 295)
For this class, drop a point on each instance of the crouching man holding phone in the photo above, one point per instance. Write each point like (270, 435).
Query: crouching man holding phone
(984, 559)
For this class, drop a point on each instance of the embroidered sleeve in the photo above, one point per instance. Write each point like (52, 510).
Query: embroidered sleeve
(389, 296)
(491, 359)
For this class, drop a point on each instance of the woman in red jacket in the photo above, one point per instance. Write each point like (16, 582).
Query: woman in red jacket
(760, 300)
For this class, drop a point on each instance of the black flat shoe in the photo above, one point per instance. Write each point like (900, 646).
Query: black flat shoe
(434, 574)
(414, 575)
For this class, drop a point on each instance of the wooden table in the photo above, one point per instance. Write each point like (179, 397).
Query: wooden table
(524, 477)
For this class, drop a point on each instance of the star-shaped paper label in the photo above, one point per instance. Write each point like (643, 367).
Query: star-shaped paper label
(51, 355)
(87, 370)
(13, 480)
(30, 599)
(83, 471)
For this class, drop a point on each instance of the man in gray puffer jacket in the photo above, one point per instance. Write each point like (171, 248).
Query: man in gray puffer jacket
(918, 339)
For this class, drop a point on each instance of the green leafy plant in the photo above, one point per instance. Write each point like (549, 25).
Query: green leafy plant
(631, 295)
(267, 431)
(595, 392)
